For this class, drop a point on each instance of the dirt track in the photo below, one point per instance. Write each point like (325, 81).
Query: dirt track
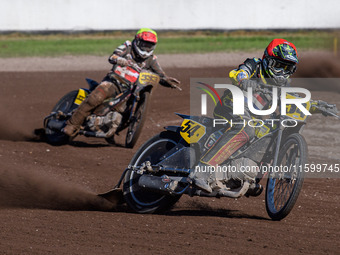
(47, 201)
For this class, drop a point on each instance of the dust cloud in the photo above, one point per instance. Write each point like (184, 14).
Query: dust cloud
(16, 126)
(26, 189)
(319, 66)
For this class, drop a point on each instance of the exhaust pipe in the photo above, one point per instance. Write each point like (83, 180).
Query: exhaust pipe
(56, 125)
(161, 184)
(167, 186)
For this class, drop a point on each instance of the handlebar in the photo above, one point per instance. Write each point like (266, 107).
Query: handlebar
(326, 105)
(267, 89)
(268, 86)
(176, 87)
(134, 66)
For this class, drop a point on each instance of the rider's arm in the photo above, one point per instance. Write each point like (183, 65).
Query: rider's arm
(245, 71)
(323, 107)
(156, 67)
(118, 53)
(165, 80)
(313, 109)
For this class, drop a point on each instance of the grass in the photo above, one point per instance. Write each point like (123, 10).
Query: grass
(102, 44)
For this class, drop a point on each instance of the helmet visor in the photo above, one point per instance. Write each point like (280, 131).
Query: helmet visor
(146, 46)
(280, 67)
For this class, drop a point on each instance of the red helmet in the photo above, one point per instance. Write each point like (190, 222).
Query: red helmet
(145, 42)
(280, 59)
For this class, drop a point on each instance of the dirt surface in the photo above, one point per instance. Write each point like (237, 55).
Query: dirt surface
(48, 202)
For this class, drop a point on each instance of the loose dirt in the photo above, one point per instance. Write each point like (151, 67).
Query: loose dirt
(47, 194)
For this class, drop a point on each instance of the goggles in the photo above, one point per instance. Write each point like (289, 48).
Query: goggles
(146, 46)
(280, 67)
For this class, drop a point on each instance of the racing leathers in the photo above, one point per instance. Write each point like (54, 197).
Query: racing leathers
(109, 87)
(237, 135)
(248, 74)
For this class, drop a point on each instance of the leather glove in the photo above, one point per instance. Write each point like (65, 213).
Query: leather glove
(122, 61)
(245, 84)
(327, 109)
(172, 82)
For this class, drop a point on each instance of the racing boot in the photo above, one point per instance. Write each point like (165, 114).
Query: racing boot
(116, 120)
(200, 177)
(92, 101)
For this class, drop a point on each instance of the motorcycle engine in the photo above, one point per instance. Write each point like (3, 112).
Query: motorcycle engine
(239, 170)
(106, 124)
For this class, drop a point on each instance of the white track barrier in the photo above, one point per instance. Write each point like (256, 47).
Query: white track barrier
(70, 15)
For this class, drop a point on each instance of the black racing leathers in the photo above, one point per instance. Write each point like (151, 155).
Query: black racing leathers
(238, 134)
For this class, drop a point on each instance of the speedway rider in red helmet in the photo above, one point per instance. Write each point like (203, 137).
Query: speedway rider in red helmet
(279, 60)
(277, 65)
(140, 51)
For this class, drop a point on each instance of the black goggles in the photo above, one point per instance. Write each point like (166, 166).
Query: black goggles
(279, 66)
(146, 46)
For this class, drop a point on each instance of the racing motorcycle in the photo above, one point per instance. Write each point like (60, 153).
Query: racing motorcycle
(157, 175)
(126, 110)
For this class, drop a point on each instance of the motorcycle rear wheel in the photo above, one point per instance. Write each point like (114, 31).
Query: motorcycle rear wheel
(283, 190)
(65, 105)
(136, 125)
(138, 199)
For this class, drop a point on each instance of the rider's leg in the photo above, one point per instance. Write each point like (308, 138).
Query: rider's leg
(233, 139)
(103, 91)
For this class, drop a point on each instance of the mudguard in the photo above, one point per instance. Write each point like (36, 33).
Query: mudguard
(92, 84)
(175, 129)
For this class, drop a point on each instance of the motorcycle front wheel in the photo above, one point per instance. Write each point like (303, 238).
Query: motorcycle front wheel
(138, 199)
(284, 186)
(65, 105)
(137, 123)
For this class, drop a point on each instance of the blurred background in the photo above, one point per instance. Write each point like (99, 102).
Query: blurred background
(85, 27)
(70, 15)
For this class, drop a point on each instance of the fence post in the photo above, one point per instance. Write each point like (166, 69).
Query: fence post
(335, 46)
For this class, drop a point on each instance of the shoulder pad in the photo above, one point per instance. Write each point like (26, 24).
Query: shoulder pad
(250, 64)
(250, 61)
(127, 43)
(121, 47)
(124, 46)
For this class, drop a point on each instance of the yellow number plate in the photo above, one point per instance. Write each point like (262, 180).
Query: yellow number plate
(148, 78)
(192, 131)
(80, 97)
(294, 112)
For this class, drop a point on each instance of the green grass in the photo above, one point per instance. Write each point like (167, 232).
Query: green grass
(26, 45)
